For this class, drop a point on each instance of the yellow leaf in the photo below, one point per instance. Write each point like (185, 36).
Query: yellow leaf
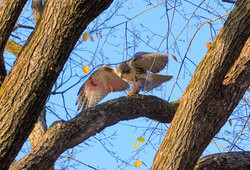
(137, 163)
(92, 39)
(141, 139)
(208, 44)
(135, 145)
(86, 69)
(100, 34)
(85, 36)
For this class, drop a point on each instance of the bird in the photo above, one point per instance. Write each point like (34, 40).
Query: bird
(138, 72)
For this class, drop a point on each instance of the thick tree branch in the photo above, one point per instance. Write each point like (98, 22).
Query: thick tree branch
(13, 47)
(228, 161)
(39, 129)
(9, 12)
(207, 102)
(64, 135)
(37, 8)
(25, 89)
(40, 126)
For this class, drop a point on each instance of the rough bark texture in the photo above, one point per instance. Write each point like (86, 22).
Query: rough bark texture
(64, 135)
(207, 102)
(37, 8)
(225, 161)
(9, 13)
(29, 82)
(13, 47)
(39, 129)
(40, 126)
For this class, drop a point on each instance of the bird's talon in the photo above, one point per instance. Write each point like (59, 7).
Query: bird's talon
(132, 94)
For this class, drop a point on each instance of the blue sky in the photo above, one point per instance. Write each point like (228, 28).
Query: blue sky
(145, 32)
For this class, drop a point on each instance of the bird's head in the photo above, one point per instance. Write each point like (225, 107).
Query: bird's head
(123, 68)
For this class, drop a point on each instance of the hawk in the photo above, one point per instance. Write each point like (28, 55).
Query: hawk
(138, 72)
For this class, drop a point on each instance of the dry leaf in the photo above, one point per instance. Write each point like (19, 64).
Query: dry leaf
(248, 89)
(135, 145)
(85, 36)
(137, 163)
(174, 58)
(208, 44)
(141, 139)
(86, 69)
(92, 39)
(230, 122)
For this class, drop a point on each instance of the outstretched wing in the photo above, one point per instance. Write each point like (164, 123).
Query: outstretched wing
(101, 82)
(153, 62)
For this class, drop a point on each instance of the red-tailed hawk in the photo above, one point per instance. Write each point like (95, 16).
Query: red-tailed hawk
(138, 72)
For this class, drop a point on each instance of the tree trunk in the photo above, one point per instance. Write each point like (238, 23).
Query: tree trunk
(25, 89)
(209, 98)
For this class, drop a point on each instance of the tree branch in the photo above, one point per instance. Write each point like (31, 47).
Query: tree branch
(230, 160)
(37, 8)
(28, 84)
(40, 126)
(230, 1)
(207, 102)
(39, 130)
(64, 135)
(13, 47)
(9, 12)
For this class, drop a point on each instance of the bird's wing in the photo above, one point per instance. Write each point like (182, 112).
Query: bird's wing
(153, 62)
(101, 82)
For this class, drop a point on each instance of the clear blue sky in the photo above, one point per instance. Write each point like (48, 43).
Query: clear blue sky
(144, 33)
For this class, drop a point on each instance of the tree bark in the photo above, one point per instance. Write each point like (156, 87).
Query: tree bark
(13, 47)
(37, 8)
(64, 135)
(225, 161)
(208, 101)
(25, 89)
(9, 13)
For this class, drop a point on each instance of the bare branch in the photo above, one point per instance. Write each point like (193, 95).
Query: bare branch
(229, 160)
(207, 102)
(64, 135)
(41, 61)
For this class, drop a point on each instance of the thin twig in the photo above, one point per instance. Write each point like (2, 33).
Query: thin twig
(89, 166)
(220, 146)
(185, 56)
(241, 132)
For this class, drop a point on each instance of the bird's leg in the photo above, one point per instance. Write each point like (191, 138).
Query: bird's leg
(134, 90)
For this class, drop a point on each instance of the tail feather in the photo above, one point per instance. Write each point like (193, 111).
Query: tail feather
(154, 81)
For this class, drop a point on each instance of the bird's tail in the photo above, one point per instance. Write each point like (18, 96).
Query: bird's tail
(153, 81)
